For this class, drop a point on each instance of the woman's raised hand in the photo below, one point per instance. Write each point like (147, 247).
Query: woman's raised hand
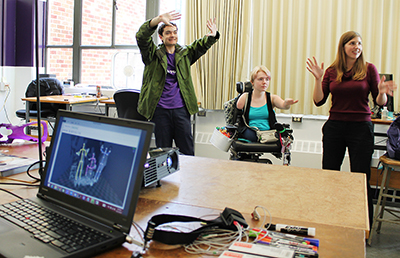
(314, 68)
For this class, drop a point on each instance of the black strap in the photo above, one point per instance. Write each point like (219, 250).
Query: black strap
(225, 220)
(170, 237)
(272, 117)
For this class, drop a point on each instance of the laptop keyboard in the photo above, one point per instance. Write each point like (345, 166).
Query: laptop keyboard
(50, 227)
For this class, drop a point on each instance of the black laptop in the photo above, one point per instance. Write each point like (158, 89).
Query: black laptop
(88, 193)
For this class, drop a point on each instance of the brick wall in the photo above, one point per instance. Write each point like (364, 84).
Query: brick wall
(96, 31)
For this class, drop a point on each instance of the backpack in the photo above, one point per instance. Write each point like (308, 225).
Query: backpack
(393, 140)
(229, 111)
(48, 86)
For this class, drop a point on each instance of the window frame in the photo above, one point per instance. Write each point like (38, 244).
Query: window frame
(152, 7)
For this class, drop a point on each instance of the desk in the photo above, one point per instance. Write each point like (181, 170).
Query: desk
(332, 202)
(69, 101)
(304, 194)
(376, 176)
(109, 103)
(378, 121)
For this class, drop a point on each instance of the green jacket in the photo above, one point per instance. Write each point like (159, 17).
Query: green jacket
(155, 70)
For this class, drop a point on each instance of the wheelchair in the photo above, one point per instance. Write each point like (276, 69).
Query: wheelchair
(253, 151)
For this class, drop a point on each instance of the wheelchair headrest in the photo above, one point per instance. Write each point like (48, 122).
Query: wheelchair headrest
(244, 87)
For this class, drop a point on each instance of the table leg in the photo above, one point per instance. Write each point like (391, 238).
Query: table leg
(27, 112)
(107, 109)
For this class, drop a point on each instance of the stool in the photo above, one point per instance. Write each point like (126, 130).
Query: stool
(389, 165)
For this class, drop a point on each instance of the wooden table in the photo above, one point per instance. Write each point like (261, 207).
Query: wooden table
(68, 100)
(378, 121)
(376, 176)
(304, 194)
(332, 202)
(108, 103)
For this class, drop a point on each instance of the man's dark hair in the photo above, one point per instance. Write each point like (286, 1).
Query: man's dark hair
(162, 26)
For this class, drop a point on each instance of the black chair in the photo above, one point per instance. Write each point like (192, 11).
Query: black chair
(48, 86)
(126, 101)
(253, 151)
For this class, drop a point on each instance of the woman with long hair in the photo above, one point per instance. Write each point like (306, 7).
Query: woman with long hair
(350, 80)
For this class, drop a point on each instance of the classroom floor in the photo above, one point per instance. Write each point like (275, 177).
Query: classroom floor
(387, 243)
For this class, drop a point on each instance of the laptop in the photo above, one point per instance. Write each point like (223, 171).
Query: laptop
(92, 179)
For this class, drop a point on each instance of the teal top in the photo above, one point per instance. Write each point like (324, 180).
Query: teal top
(258, 117)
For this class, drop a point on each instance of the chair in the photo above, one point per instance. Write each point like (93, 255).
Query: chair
(389, 166)
(48, 86)
(126, 101)
(253, 151)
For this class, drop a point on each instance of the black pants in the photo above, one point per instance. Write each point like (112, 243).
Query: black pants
(358, 138)
(173, 124)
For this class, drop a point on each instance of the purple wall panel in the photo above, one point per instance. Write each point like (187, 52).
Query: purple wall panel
(9, 32)
(1, 31)
(24, 34)
(18, 39)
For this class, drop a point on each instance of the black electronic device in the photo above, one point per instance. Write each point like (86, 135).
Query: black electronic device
(161, 163)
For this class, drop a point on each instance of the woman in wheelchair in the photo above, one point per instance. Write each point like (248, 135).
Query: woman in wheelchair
(258, 105)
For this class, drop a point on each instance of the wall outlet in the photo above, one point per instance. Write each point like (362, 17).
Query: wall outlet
(297, 119)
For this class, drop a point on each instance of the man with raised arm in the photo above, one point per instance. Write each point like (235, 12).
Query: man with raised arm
(167, 97)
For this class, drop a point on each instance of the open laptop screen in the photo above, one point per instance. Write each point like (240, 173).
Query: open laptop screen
(96, 161)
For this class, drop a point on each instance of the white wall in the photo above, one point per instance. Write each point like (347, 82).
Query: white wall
(18, 79)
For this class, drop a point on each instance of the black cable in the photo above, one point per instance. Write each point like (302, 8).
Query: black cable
(137, 226)
(23, 184)
(38, 104)
(40, 172)
(1, 189)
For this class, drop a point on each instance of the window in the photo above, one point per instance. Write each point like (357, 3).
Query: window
(97, 22)
(105, 52)
(60, 36)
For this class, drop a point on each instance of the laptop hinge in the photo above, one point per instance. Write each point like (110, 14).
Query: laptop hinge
(117, 226)
(40, 195)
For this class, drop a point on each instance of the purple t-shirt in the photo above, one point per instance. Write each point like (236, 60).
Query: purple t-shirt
(171, 96)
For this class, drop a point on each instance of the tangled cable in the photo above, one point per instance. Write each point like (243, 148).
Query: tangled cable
(216, 241)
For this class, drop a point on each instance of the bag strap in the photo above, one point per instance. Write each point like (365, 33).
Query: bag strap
(244, 113)
(171, 237)
(270, 111)
(225, 221)
(272, 116)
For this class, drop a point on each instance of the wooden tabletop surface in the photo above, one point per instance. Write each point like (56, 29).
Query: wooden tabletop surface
(65, 99)
(311, 195)
(329, 201)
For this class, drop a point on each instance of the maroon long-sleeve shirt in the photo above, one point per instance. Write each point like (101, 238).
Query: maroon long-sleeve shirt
(350, 97)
